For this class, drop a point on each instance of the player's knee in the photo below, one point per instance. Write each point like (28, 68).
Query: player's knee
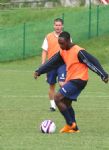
(57, 98)
(61, 84)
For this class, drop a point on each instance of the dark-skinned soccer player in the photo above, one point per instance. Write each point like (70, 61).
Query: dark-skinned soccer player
(77, 61)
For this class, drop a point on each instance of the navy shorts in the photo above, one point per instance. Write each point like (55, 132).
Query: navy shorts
(70, 91)
(58, 73)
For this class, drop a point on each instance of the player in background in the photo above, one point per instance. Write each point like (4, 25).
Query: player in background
(77, 61)
(50, 47)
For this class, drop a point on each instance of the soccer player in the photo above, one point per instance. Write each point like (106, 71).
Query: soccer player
(77, 61)
(50, 47)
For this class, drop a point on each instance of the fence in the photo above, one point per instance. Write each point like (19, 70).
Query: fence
(25, 40)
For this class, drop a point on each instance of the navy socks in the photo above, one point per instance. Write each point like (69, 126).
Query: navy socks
(67, 116)
(72, 113)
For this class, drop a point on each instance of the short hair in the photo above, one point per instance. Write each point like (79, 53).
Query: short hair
(65, 35)
(59, 20)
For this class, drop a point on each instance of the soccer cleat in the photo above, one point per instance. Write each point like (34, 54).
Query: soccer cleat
(52, 109)
(69, 129)
(72, 131)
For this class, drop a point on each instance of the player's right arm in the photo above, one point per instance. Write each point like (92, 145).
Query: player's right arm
(44, 56)
(45, 50)
(51, 64)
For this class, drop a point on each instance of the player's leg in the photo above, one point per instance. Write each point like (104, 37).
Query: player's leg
(63, 105)
(51, 93)
(51, 79)
(68, 102)
(61, 73)
(63, 99)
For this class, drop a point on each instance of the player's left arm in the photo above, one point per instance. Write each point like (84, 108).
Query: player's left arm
(49, 65)
(93, 64)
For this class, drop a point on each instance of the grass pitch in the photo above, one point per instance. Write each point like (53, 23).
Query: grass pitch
(24, 105)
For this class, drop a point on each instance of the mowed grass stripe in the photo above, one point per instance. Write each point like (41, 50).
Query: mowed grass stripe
(24, 105)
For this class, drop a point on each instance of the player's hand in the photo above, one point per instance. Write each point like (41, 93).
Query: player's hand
(106, 79)
(36, 75)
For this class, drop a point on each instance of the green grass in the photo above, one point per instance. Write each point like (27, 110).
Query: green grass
(24, 102)
(98, 46)
(24, 105)
(13, 17)
(17, 41)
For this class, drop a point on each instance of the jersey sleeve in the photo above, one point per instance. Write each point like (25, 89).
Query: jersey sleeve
(45, 44)
(92, 63)
(51, 64)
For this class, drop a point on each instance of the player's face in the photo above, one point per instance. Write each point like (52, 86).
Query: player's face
(58, 26)
(64, 45)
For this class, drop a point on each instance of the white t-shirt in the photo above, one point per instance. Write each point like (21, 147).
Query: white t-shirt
(45, 43)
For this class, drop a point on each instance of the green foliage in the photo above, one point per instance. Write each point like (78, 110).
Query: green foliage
(58, 1)
(4, 1)
(17, 41)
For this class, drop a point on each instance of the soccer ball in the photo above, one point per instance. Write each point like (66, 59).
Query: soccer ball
(47, 126)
